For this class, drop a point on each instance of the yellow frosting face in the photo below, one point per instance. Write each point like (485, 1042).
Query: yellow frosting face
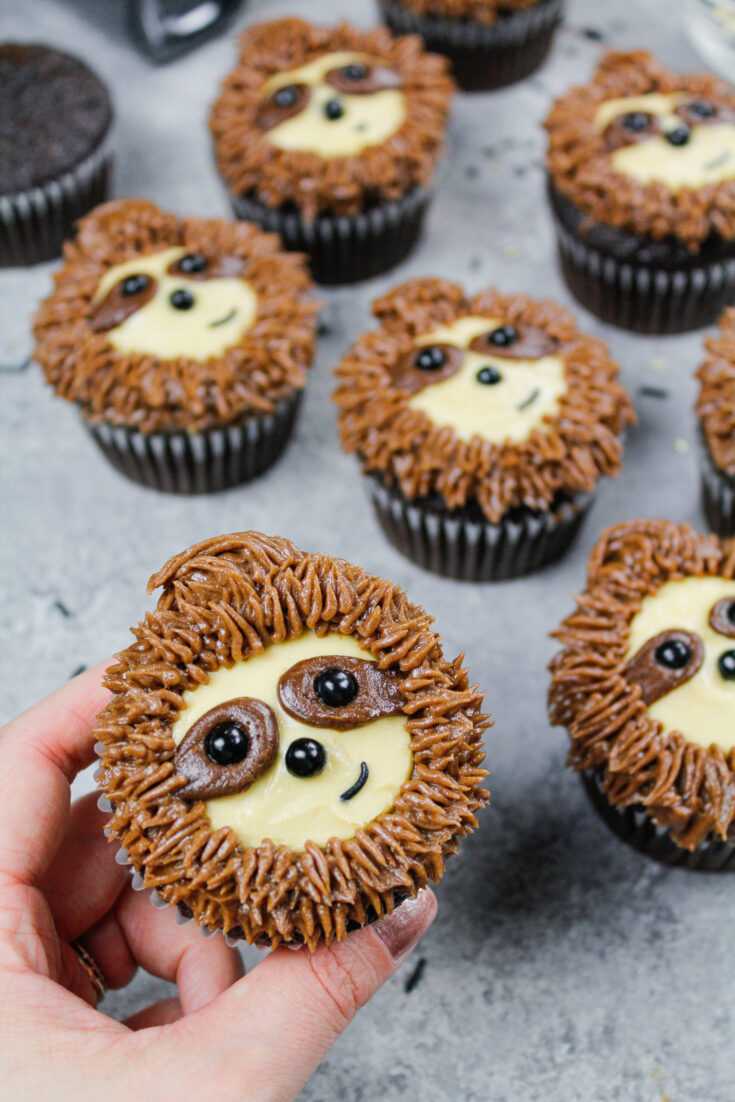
(509, 409)
(292, 810)
(707, 157)
(367, 119)
(703, 708)
(222, 310)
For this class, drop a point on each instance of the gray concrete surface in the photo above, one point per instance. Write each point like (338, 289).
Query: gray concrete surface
(562, 967)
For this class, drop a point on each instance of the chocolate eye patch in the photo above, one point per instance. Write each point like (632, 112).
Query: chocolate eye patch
(360, 79)
(432, 363)
(722, 617)
(227, 749)
(666, 661)
(283, 104)
(197, 266)
(631, 127)
(511, 342)
(122, 301)
(638, 126)
(340, 693)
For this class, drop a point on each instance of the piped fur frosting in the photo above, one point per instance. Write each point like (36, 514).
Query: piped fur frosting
(407, 449)
(223, 601)
(251, 164)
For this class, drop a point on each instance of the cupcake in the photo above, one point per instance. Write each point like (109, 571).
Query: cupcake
(490, 43)
(644, 685)
(716, 410)
(287, 754)
(330, 137)
(184, 342)
(55, 117)
(641, 167)
(482, 424)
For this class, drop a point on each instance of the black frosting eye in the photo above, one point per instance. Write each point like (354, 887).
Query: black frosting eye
(731, 613)
(334, 109)
(227, 744)
(305, 757)
(134, 284)
(702, 109)
(336, 688)
(192, 262)
(637, 121)
(286, 97)
(674, 654)
(679, 136)
(488, 375)
(355, 71)
(182, 299)
(431, 359)
(503, 336)
(726, 665)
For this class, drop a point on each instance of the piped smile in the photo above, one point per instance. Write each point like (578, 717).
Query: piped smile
(359, 783)
(224, 320)
(530, 399)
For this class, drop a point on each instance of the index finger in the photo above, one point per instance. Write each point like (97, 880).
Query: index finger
(41, 751)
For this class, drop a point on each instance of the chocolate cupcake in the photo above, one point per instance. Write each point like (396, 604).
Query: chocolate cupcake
(55, 117)
(330, 137)
(287, 754)
(716, 411)
(490, 43)
(645, 687)
(184, 342)
(483, 425)
(641, 169)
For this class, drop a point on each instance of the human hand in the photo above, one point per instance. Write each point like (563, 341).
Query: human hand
(226, 1036)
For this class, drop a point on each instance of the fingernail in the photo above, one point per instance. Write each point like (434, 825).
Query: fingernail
(401, 930)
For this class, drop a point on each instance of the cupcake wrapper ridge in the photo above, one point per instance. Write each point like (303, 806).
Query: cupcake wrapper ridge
(718, 494)
(198, 462)
(345, 248)
(634, 826)
(35, 223)
(474, 550)
(483, 56)
(642, 299)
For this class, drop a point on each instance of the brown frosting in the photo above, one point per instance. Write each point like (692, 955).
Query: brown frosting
(716, 400)
(687, 788)
(206, 779)
(656, 680)
(406, 448)
(252, 164)
(481, 11)
(578, 158)
(380, 693)
(268, 363)
(222, 601)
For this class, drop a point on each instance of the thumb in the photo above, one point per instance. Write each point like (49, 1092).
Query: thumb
(274, 1027)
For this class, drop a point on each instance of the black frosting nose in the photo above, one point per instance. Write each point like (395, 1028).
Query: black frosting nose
(679, 136)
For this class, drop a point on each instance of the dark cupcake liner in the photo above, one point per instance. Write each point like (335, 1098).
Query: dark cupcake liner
(198, 462)
(470, 548)
(643, 298)
(345, 248)
(34, 224)
(635, 826)
(718, 493)
(482, 56)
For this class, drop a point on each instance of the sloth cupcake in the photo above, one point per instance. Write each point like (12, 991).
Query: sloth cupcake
(642, 183)
(716, 411)
(185, 343)
(645, 685)
(287, 752)
(490, 43)
(330, 137)
(483, 425)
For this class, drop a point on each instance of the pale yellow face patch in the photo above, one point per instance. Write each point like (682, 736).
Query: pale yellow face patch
(293, 810)
(703, 708)
(368, 119)
(223, 310)
(707, 158)
(511, 409)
